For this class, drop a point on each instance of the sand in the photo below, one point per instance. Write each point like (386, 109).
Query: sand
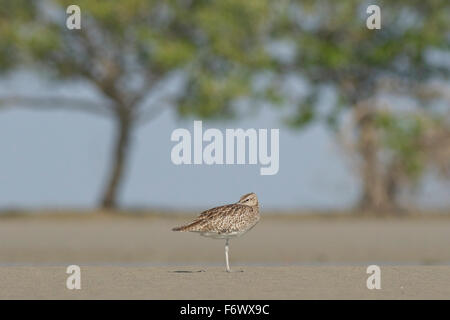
(282, 258)
(284, 241)
(406, 282)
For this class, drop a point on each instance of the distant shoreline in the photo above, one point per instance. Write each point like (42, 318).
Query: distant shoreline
(167, 213)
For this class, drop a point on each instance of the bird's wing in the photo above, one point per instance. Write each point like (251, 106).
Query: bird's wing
(218, 218)
(213, 212)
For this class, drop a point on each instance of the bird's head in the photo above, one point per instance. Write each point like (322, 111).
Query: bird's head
(249, 199)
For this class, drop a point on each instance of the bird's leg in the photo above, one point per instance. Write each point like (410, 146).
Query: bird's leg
(226, 256)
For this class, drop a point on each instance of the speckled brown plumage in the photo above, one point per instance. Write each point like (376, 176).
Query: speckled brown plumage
(228, 220)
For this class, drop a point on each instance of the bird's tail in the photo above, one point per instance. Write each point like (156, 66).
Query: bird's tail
(188, 227)
(182, 228)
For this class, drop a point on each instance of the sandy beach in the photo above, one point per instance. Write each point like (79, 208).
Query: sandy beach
(281, 258)
(274, 241)
(406, 282)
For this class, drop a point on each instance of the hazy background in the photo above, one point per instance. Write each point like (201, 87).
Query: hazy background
(363, 114)
(86, 117)
(58, 159)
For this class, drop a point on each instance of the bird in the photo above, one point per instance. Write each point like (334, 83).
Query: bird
(226, 222)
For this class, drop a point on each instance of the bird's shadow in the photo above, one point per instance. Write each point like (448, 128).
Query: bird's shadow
(187, 271)
(198, 271)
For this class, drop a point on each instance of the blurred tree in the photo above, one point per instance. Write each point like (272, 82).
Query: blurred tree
(333, 47)
(9, 44)
(127, 49)
(402, 144)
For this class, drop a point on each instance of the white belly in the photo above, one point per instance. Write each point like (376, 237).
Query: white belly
(217, 235)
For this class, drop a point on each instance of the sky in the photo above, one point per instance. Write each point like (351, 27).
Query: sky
(59, 159)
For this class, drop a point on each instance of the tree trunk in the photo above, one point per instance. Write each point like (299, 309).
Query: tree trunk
(380, 185)
(115, 176)
(367, 149)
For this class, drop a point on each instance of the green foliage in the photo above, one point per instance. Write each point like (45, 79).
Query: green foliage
(214, 92)
(401, 135)
(334, 46)
(13, 15)
(305, 113)
(217, 44)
